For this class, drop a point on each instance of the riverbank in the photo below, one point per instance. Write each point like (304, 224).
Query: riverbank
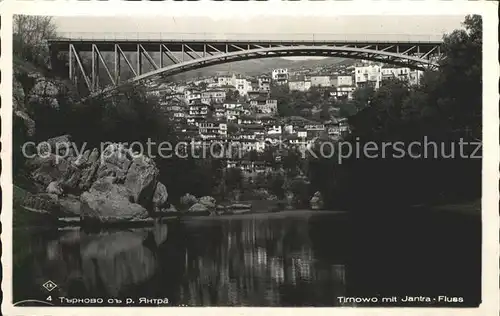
(273, 215)
(469, 208)
(26, 216)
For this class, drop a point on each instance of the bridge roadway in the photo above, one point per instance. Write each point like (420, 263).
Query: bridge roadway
(231, 45)
(188, 53)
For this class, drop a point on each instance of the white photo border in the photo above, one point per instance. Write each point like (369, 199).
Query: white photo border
(245, 10)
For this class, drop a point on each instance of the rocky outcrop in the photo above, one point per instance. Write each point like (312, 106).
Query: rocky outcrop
(19, 107)
(70, 205)
(141, 180)
(160, 197)
(54, 188)
(115, 161)
(42, 201)
(52, 167)
(188, 200)
(207, 201)
(205, 205)
(109, 187)
(56, 205)
(317, 201)
(46, 92)
(88, 169)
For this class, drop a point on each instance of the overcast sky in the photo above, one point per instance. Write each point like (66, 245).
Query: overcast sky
(393, 27)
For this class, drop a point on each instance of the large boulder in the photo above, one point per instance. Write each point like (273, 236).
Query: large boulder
(317, 201)
(134, 181)
(188, 200)
(108, 202)
(109, 185)
(89, 170)
(57, 205)
(54, 188)
(261, 194)
(160, 197)
(46, 169)
(208, 201)
(88, 175)
(70, 205)
(141, 180)
(42, 201)
(198, 207)
(115, 161)
(93, 157)
(82, 159)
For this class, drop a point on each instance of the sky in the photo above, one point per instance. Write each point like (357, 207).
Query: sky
(323, 28)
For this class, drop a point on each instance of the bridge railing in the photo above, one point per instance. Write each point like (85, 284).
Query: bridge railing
(315, 37)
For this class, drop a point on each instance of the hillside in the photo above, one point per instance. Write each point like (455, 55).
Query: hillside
(259, 66)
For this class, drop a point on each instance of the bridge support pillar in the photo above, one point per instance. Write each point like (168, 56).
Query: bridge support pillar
(139, 60)
(117, 64)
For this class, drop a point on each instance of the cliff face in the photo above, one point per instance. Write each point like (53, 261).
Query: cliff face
(35, 90)
(103, 184)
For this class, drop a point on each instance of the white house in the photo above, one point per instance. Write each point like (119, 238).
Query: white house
(280, 76)
(368, 76)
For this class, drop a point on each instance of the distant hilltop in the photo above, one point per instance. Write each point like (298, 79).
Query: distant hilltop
(260, 66)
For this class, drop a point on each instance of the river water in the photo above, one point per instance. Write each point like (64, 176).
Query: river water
(294, 258)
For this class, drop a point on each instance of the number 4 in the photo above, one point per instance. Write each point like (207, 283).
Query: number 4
(49, 298)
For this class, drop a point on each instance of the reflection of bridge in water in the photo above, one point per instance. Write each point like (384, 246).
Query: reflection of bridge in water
(170, 54)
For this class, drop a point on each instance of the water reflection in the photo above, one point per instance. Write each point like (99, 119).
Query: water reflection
(104, 264)
(257, 261)
(294, 259)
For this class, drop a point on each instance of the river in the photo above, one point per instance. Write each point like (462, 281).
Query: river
(293, 258)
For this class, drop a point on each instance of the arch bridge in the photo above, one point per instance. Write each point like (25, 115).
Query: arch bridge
(169, 56)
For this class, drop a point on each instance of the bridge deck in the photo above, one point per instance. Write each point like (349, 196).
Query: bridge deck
(82, 44)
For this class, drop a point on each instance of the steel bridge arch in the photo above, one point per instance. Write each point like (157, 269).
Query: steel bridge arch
(411, 62)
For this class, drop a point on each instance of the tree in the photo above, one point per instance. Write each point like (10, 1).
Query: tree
(347, 108)
(314, 94)
(232, 95)
(232, 128)
(459, 92)
(30, 34)
(325, 112)
(233, 178)
(362, 97)
(445, 105)
(202, 85)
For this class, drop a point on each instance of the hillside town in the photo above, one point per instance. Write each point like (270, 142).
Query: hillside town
(241, 111)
